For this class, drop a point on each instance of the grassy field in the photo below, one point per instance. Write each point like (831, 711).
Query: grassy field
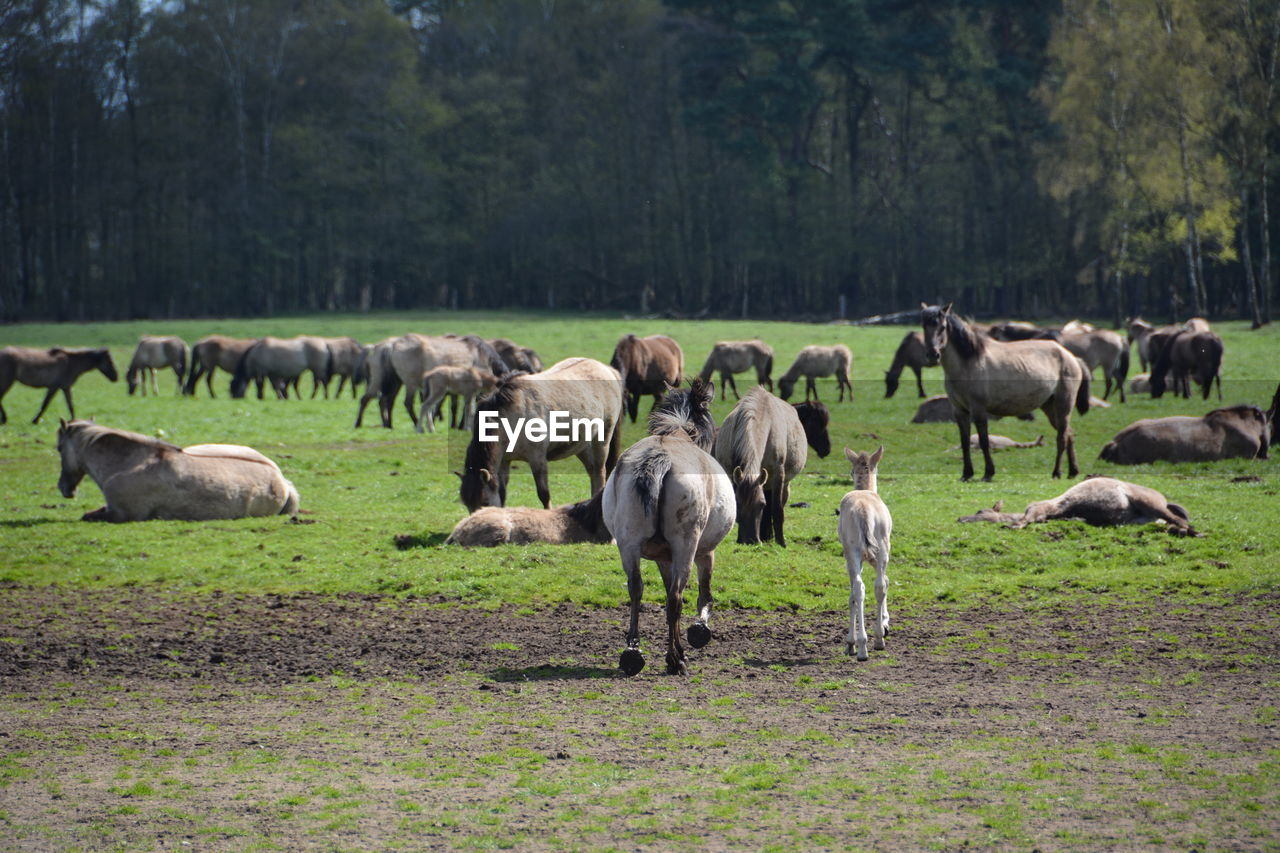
(264, 685)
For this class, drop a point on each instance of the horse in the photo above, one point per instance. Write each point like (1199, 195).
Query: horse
(762, 443)
(145, 478)
(1020, 330)
(1074, 327)
(730, 357)
(516, 356)
(587, 393)
(669, 501)
(814, 419)
(1100, 501)
(1194, 355)
(649, 365)
(491, 526)
(865, 528)
(281, 361)
(346, 356)
(1234, 432)
(986, 377)
(208, 354)
(157, 351)
(405, 360)
(814, 361)
(56, 369)
(1101, 347)
(465, 382)
(910, 353)
(1000, 442)
(1149, 339)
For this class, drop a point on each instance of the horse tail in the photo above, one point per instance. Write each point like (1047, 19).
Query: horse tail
(615, 444)
(650, 470)
(291, 501)
(189, 387)
(1179, 511)
(1122, 366)
(1084, 392)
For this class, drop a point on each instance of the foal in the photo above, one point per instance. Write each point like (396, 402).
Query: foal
(865, 527)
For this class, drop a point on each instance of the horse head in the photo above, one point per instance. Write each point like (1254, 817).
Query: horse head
(785, 387)
(687, 410)
(131, 378)
(934, 320)
(815, 417)
(73, 470)
(749, 492)
(102, 361)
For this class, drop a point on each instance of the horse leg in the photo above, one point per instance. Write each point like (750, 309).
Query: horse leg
(155, 386)
(919, 380)
(962, 421)
(676, 576)
(882, 601)
(779, 510)
(47, 397)
(426, 415)
(208, 378)
(538, 467)
(593, 460)
(632, 661)
(984, 442)
(728, 378)
(700, 631)
(856, 639)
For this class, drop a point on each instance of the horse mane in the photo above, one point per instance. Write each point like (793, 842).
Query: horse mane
(105, 437)
(687, 411)
(746, 447)
(1238, 411)
(967, 343)
(503, 394)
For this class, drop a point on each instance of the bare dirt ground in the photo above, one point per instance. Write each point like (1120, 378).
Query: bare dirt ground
(140, 719)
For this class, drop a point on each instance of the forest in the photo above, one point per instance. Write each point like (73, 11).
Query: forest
(809, 159)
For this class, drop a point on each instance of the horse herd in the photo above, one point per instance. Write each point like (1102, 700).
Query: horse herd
(673, 496)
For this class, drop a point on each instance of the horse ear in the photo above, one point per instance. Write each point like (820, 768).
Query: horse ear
(764, 476)
(487, 476)
(850, 455)
(924, 305)
(946, 309)
(458, 474)
(62, 424)
(877, 456)
(737, 474)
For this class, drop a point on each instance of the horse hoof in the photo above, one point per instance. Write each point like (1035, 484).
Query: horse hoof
(677, 667)
(863, 656)
(699, 635)
(631, 662)
(848, 649)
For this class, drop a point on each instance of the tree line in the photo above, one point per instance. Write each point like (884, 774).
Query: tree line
(756, 158)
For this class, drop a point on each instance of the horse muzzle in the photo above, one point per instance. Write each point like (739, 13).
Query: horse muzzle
(932, 355)
(67, 488)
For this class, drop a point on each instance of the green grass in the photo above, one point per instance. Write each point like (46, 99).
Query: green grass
(362, 488)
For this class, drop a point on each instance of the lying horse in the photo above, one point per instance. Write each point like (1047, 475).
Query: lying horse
(1000, 442)
(814, 361)
(986, 377)
(910, 353)
(1235, 432)
(762, 443)
(1197, 355)
(1020, 330)
(582, 388)
(1100, 501)
(648, 366)
(521, 525)
(730, 357)
(670, 502)
(213, 352)
(56, 369)
(153, 352)
(144, 478)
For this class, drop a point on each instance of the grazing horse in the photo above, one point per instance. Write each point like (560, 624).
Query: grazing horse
(815, 418)
(649, 365)
(986, 377)
(1189, 355)
(670, 502)
(55, 369)
(1101, 347)
(1100, 501)
(910, 354)
(517, 357)
(213, 352)
(1234, 432)
(762, 443)
(814, 361)
(491, 526)
(154, 351)
(144, 478)
(865, 528)
(589, 396)
(730, 357)
(281, 361)
(346, 355)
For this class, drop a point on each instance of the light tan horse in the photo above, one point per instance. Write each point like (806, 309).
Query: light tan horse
(281, 361)
(465, 383)
(491, 526)
(1100, 501)
(56, 369)
(814, 361)
(865, 529)
(208, 354)
(346, 354)
(762, 445)
(144, 478)
(986, 377)
(1101, 348)
(730, 357)
(157, 351)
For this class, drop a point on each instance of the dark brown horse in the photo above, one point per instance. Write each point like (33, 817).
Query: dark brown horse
(910, 354)
(651, 365)
(1189, 355)
(55, 369)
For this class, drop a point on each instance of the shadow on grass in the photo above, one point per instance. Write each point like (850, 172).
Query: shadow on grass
(31, 522)
(549, 672)
(405, 541)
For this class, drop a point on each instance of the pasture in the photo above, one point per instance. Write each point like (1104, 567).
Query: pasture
(350, 682)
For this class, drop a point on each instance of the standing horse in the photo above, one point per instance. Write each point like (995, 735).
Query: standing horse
(1101, 347)
(814, 361)
(412, 356)
(762, 443)
(281, 361)
(1189, 355)
(986, 377)
(670, 502)
(865, 529)
(464, 382)
(649, 365)
(154, 351)
(585, 392)
(910, 354)
(144, 478)
(730, 357)
(345, 357)
(213, 352)
(56, 369)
